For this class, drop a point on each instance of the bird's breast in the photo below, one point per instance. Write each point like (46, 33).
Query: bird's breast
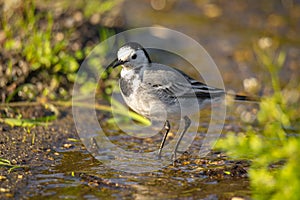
(135, 95)
(126, 87)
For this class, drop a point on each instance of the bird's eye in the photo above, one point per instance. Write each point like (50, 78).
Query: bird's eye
(133, 56)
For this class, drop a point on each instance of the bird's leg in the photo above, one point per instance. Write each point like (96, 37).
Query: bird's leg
(187, 122)
(167, 127)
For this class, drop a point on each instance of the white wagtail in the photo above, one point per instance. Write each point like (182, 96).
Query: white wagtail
(159, 91)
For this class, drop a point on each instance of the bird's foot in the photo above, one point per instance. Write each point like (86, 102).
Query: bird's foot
(174, 156)
(159, 153)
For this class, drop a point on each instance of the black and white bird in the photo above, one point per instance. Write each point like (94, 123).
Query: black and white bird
(160, 92)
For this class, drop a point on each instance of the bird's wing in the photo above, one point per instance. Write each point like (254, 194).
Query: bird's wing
(170, 83)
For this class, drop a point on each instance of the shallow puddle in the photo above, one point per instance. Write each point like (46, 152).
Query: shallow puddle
(80, 176)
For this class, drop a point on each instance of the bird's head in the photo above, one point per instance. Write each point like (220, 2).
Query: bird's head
(131, 55)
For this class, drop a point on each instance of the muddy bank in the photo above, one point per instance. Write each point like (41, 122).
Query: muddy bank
(53, 162)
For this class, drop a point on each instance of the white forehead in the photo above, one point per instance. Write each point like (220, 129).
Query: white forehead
(125, 52)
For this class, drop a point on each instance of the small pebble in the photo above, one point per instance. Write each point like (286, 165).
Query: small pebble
(78, 16)
(67, 146)
(237, 198)
(13, 162)
(2, 178)
(4, 190)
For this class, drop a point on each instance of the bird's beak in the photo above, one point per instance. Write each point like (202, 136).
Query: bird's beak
(116, 63)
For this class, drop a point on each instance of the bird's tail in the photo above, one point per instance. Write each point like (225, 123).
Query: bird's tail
(237, 97)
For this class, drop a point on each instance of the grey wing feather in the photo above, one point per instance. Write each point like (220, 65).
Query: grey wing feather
(170, 83)
(202, 90)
